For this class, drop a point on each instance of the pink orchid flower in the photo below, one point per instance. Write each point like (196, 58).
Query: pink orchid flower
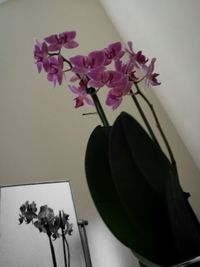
(114, 98)
(116, 94)
(65, 39)
(41, 56)
(126, 69)
(55, 70)
(82, 97)
(150, 77)
(113, 51)
(84, 64)
(138, 58)
(101, 78)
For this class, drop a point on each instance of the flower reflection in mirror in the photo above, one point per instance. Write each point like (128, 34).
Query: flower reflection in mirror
(54, 226)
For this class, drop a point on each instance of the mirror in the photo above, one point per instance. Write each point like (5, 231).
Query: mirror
(24, 237)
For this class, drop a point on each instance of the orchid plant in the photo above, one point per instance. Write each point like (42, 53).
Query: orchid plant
(116, 68)
(120, 70)
(54, 226)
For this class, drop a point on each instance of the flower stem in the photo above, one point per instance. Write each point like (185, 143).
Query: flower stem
(144, 118)
(63, 240)
(173, 162)
(52, 252)
(68, 251)
(98, 106)
(68, 62)
(158, 126)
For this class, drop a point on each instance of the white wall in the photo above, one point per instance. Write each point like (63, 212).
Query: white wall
(43, 138)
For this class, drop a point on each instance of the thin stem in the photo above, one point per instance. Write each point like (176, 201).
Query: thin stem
(138, 81)
(98, 106)
(63, 239)
(174, 167)
(158, 125)
(67, 70)
(68, 251)
(91, 91)
(52, 252)
(89, 113)
(144, 118)
(64, 59)
(68, 62)
(53, 54)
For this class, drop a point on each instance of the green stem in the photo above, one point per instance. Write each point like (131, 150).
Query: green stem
(91, 91)
(144, 118)
(173, 162)
(158, 126)
(98, 106)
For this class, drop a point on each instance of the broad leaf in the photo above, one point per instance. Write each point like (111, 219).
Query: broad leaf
(139, 172)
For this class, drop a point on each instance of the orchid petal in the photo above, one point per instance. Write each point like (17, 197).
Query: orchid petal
(74, 78)
(60, 77)
(95, 75)
(79, 102)
(52, 39)
(50, 77)
(68, 35)
(114, 99)
(39, 66)
(97, 84)
(70, 44)
(74, 89)
(96, 58)
(130, 45)
(115, 48)
(54, 47)
(118, 65)
(88, 100)
(78, 61)
(115, 78)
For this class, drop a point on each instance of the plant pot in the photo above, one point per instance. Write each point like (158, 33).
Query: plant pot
(136, 192)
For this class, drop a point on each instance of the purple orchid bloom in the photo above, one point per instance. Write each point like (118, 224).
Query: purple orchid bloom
(41, 56)
(150, 77)
(101, 78)
(114, 98)
(82, 97)
(126, 69)
(65, 39)
(140, 58)
(84, 64)
(116, 94)
(113, 51)
(137, 58)
(55, 70)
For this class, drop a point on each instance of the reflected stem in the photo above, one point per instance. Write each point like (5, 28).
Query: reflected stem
(52, 252)
(68, 251)
(63, 241)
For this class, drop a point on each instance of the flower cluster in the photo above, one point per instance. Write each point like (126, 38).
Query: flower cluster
(116, 67)
(28, 212)
(46, 221)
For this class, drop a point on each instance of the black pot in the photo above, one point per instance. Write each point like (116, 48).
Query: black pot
(138, 195)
